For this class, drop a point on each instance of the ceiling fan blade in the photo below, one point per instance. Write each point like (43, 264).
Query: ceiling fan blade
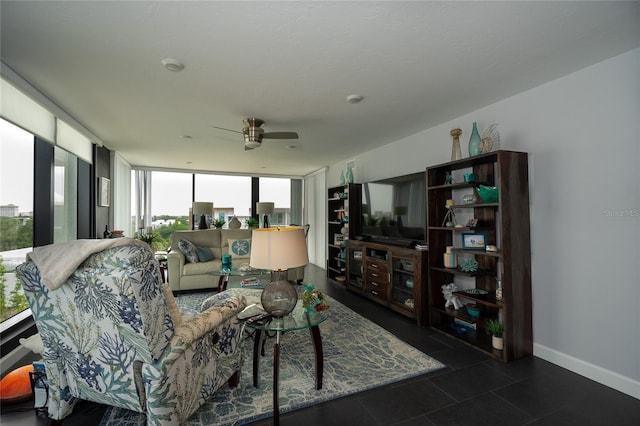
(280, 135)
(228, 130)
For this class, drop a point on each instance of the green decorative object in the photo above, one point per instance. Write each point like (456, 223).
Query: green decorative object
(313, 299)
(469, 265)
(495, 327)
(488, 194)
(218, 223)
(252, 223)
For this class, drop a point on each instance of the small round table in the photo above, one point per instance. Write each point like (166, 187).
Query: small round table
(298, 319)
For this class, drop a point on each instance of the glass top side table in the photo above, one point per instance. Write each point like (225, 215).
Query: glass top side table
(298, 319)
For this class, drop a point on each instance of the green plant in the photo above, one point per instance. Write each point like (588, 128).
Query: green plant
(495, 327)
(218, 223)
(252, 222)
(150, 238)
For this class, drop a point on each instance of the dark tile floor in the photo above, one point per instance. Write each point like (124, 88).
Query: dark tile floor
(474, 389)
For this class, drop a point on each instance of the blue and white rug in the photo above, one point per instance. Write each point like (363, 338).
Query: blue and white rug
(358, 355)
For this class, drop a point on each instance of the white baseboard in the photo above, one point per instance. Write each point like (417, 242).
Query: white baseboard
(11, 358)
(601, 375)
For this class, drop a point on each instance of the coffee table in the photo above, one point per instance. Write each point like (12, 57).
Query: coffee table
(298, 319)
(225, 273)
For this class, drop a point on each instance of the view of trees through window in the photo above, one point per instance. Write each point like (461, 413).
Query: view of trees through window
(16, 213)
(172, 195)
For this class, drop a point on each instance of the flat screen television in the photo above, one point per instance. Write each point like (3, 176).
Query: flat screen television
(394, 210)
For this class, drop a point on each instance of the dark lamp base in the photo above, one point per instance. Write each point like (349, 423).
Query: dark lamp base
(203, 223)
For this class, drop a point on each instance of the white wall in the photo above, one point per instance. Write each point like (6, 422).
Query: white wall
(582, 135)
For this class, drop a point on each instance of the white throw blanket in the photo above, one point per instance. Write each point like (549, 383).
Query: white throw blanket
(57, 262)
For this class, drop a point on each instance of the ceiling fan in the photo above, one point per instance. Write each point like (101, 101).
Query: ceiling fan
(254, 133)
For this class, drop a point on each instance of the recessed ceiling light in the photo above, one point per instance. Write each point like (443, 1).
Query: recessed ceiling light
(291, 146)
(354, 99)
(173, 65)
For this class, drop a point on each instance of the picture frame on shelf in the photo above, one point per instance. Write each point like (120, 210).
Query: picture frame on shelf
(338, 239)
(474, 240)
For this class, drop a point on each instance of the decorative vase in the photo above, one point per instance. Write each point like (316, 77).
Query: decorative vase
(234, 223)
(497, 343)
(279, 297)
(350, 175)
(474, 141)
(450, 259)
(342, 181)
(456, 152)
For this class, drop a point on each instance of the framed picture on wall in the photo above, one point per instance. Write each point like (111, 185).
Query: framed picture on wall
(104, 191)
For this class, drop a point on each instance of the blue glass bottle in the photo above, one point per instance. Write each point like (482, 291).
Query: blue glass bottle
(342, 180)
(350, 176)
(474, 141)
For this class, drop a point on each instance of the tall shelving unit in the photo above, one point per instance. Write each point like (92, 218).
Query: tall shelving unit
(506, 226)
(343, 211)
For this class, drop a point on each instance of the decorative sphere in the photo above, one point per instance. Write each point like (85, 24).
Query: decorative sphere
(279, 298)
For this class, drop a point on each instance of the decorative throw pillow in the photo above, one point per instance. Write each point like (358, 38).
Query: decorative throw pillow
(240, 249)
(204, 254)
(189, 250)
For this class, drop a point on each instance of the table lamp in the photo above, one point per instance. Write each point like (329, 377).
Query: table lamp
(278, 249)
(400, 211)
(202, 209)
(265, 208)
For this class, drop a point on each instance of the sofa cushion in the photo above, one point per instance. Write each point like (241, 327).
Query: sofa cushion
(240, 248)
(204, 254)
(189, 250)
(202, 268)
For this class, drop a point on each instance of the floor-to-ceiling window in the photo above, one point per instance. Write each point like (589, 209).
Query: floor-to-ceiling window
(230, 195)
(278, 191)
(16, 213)
(65, 196)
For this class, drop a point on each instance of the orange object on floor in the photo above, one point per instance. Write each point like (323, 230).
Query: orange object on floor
(16, 387)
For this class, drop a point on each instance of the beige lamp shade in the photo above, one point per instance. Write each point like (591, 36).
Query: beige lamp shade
(202, 208)
(265, 207)
(278, 248)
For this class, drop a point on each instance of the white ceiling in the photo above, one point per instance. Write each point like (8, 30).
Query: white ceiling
(293, 64)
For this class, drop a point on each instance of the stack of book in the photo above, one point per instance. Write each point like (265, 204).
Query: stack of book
(250, 282)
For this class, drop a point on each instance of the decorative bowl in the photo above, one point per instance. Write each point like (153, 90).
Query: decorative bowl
(488, 194)
(473, 310)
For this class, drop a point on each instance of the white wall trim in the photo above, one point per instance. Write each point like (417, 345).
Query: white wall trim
(591, 371)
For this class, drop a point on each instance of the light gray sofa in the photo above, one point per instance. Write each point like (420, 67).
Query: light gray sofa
(194, 276)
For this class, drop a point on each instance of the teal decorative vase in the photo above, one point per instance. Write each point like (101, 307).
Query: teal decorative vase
(342, 181)
(474, 141)
(350, 175)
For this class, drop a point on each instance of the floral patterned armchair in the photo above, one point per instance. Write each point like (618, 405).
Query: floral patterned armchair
(112, 334)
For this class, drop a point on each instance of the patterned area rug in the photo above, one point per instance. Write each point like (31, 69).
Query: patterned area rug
(353, 347)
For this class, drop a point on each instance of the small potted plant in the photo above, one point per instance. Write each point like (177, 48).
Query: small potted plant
(150, 238)
(496, 328)
(218, 223)
(252, 223)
